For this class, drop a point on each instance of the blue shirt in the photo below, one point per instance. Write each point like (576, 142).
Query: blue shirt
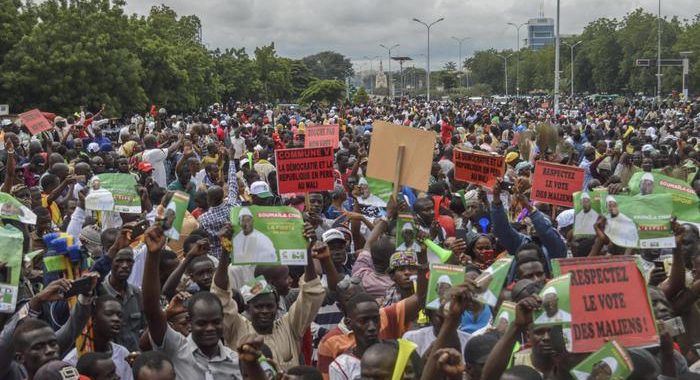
(470, 324)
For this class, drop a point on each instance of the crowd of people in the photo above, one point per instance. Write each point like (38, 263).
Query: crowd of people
(144, 305)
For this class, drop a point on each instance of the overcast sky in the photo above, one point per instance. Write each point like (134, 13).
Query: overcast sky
(356, 27)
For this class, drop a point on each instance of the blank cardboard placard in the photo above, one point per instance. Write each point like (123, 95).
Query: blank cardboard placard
(417, 157)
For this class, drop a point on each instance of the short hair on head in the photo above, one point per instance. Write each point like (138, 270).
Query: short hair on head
(150, 359)
(87, 364)
(193, 238)
(305, 372)
(48, 179)
(198, 260)
(24, 326)
(358, 299)
(206, 297)
(522, 372)
(102, 300)
(108, 237)
(381, 251)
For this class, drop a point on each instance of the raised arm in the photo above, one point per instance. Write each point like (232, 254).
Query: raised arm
(415, 302)
(200, 248)
(676, 279)
(232, 180)
(322, 253)
(506, 234)
(70, 180)
(155, 317)
(500, 355)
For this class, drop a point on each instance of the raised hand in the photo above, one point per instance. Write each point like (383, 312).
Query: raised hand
(249, 349)
(449, 362)
(154, 238)
(320, 251)
(524, 310)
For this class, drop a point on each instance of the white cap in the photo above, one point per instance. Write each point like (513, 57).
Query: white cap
(648, 177)
(6, 122)
(550, 290)
(363, 181)
(566, 218)
(585, 196)
(244, 211)
(260, 189)
(407, 227)
(331, 235)
(444, 279)
(647, 148)
(93, 147)
(610, 198)
(611, 362)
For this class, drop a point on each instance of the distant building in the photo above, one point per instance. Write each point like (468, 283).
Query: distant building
(540, 32)
(380, 81)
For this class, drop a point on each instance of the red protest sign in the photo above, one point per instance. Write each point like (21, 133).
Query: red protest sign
(318, 136)
(478, 168)
(609, 301)
(35, 121)
(304, 170)
(555, 183)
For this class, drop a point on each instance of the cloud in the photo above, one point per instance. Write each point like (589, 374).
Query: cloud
(356, 27)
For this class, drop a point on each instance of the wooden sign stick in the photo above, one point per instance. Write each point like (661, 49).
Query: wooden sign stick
(397, 173)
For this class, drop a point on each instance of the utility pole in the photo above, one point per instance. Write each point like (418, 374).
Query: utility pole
(391, 77)
(556, 64)
(461, 64)
(505, 69)
(427, 70)
(517, 63)
(658, 54)
(572, 64)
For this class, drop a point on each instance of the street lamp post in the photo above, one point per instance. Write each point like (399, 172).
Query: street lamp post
(505, 69)
(571, 47)
(461, 64)
(427, 70)
(517, 63)
(391, 77)
(658, 54)
(556, 64)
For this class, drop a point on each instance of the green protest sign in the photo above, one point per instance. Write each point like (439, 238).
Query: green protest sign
(504, 317)
(490, 282)
(442, 278)
(268, 235)
(174, 215)
(587, 210)
(686, 205)
(406, 234)
(556, 305)
(11, 208)
(122, 187)
(639, 221)
(611, 362)
(380, 188)
(11, 240)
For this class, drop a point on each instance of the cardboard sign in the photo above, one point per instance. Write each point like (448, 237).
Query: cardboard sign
(609, 301)
(556, 184)
(478, 168)
(417, 158)
(612, 361)
(35, 121)
(11, 240)
(686, 205)
(322, 136)
(268, 236)
(490, 282)
(304, 170)
(587, 210)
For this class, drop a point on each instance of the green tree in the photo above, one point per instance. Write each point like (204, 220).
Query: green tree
(301, 77)
(66, 61)
(361, 96)
(274, 73)
(237, 74)
(326, 91)
(329, 65)
(16, 20)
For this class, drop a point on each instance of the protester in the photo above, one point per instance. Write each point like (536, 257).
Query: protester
(333, 282)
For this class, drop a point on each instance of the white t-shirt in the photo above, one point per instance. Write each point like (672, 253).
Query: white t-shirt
(424, 337)
(345, 367)
(156, 157)
(119, 354)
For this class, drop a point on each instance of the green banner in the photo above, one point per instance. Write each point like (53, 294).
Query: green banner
(505, 317)
(268, 235)
(406, 234)
(122, 186)
(175, 214)
(11, 240)
(556, 306)
(686, 205)
(11, 208)
(380, 188)
(587, 210)
(610, 362)
(442, 278)
(490, 282)
(639, 221)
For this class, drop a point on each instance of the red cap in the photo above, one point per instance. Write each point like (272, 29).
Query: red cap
(145, 166)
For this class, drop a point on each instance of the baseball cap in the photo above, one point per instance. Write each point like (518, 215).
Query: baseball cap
(402, 259)
(255, 287)
(93, 147)
(565, 219)
(58, 370)
(145, 167)
(260, 189)
(332, 234)
(512, 156)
